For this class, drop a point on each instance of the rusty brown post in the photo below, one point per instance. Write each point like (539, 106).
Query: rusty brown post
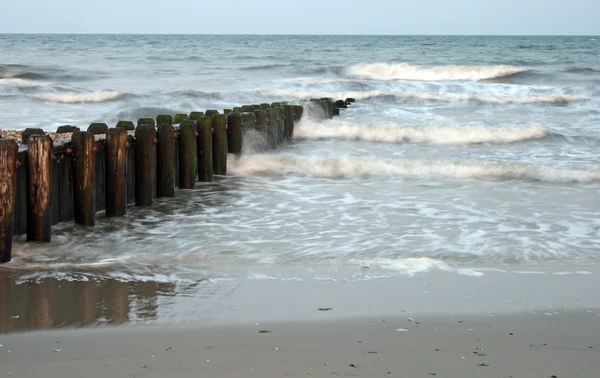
(219, 144)
(188, 159)
(234, 133)
(39, 194)
(84, 186)
(145, 164)
(8, 182)
(165, 161)
(116, 172)
(204, 145)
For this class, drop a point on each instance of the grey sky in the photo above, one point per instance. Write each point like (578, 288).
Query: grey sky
(302, 16)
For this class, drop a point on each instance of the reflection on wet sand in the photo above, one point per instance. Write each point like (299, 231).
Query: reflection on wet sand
(50, 303)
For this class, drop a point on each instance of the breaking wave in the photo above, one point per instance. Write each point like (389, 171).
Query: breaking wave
(405, 71)
(365, 167)
(451, 135)
(74, 97)
(556, 99)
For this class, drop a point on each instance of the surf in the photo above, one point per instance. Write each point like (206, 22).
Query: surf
(405, 71)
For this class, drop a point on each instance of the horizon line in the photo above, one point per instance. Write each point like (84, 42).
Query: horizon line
(304, 34)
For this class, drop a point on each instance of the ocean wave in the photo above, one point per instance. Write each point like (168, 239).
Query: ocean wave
(264, 67)
(555, 99)
(583, 71)
(440, 135)
(15, 82)
(201, 94)
(405, 71)
(413, 266)
(74, 97)
(348, 167)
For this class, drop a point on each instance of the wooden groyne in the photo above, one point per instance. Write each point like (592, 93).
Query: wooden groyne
(44, 182)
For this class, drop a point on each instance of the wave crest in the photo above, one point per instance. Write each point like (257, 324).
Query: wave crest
(556, 99)
(440, 135)
(355, 167)
(74, 97)
(405, 71)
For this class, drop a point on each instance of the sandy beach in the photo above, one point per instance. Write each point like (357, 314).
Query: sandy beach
(502, 324)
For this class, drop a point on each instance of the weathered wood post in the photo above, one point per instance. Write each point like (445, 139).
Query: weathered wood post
(204, 145)
(84, 186)
(280, 125)
(8, 182)
(98, 128)
(272, 129)
(127, 125)
(289, 121)
(258, 121)
(165, 161)
(219, 146)
(146, 121)
(234, 133)
(145, 164)
(39, 194)
(164, 118)
(195, 115)
(298, 110)
(29, 132)
(116, 172)
(211, 112)
(188, 158)
(180, 117)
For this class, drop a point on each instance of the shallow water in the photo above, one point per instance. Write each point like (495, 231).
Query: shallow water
(461, 152)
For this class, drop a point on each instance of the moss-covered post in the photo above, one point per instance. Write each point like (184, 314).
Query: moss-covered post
(211, 113)
(261, 125)
(39, 193)
(195, 115)
(127, 125)
(180, 117)
(66, 129)
(146, 121)
(165, 160)
(227, 111)
(164, 119)
(298, 111)
(280, 124)
(84, 182)
(265, 106)
(116, 172)
(234, 133)
(219, 145)
(188, 158)
(272, 129)
(145, 164)
(8, 183)
(204, 145)
(98, 128)
(289, 121)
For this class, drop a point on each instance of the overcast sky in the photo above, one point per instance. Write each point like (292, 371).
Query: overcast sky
(302, 16)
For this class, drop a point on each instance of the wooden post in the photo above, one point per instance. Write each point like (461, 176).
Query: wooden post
(164, 118)
(180, 117)
(211, 112)
(116, 172)
(29, 132)
(219, 144)
(195, 115)
(97, 128)
(272, 129)
(145, 164)
(165, 161)
(8, 182)
(127, 125)
(188, 158)
(39, 195)
(204, 145)
(289, 121)
(234, 133)
(280, 124)
(146, 121)
(259, 122)
(84, 186)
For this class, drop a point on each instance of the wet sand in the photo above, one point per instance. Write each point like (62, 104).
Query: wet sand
(503, 324)
(509, 345)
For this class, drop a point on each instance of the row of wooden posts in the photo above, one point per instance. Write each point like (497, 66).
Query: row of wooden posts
(48, 182)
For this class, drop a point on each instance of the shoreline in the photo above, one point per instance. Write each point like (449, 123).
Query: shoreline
(471, 345)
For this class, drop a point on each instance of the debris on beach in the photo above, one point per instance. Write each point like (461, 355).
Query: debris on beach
(403, 330)
(354, 366)
(264, 331)
(58, 350)
(325, 309)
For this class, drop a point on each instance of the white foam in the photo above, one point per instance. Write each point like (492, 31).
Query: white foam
(413, 266)
(405, 71)
(22, 83)
(73, 97)
(352, 167)
(303, 94)
(442, 135)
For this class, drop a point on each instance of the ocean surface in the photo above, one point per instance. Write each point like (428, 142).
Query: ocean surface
(461, 154)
